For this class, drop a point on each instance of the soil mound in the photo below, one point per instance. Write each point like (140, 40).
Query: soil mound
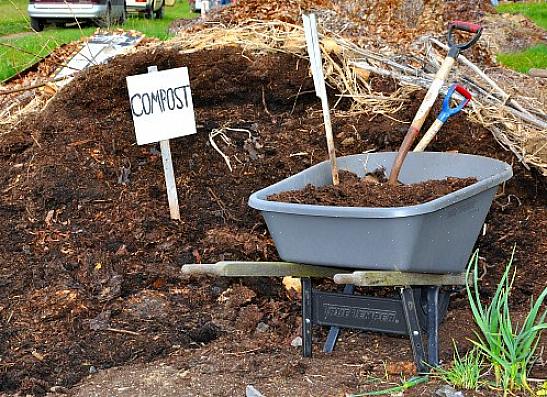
(89, 259)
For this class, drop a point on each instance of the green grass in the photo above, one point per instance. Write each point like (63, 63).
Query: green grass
(17, 53)
(533, 57)
(399, 389)
(504, 350)
(13, 17)
(465, 371)
(537, 12)
(25, 51)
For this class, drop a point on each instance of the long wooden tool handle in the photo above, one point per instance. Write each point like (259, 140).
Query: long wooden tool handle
(419, 119)
(428, 136)
(314, 51)
(330, 140)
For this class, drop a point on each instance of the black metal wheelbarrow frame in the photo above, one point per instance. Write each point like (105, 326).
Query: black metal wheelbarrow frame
(421, 305)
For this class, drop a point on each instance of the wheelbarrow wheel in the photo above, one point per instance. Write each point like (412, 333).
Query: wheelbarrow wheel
(420, 297)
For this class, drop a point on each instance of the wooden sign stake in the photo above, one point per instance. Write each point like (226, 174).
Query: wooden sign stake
(312, 40)
(170, 181)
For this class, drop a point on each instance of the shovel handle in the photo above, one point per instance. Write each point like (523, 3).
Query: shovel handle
(447, 111)
(419, 118)
(431, 95)
(468, 27)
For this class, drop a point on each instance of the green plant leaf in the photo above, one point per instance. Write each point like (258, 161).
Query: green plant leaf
(507, 347)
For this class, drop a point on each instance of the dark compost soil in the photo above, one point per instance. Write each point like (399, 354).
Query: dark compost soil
(89, 258)
(353, 191)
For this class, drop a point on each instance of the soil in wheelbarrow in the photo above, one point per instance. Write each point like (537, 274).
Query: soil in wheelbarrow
(372, 191)
(89, 258)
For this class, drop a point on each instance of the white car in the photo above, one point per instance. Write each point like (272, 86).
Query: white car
(150, 8)
(102, 12)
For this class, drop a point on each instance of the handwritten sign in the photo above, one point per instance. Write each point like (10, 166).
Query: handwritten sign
(161, 105)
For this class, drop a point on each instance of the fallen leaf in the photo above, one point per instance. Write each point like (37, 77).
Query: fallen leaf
(404, 368)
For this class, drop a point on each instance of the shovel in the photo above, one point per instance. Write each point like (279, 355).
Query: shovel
(433, 92)
(446, 112)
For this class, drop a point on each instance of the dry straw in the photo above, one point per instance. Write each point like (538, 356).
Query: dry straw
(518, 123)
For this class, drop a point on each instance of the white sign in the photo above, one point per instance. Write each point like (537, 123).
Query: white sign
(161, 104)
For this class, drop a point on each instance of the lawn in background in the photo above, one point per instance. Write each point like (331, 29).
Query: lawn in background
(158, 27)
(533, 57)
(20, 51)
(537, 12)
(13, 17)
(523, 61)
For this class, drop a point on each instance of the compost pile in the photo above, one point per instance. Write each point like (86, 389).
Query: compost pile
(370, 192)
(378, 22)
(283, 10)
(89, 258)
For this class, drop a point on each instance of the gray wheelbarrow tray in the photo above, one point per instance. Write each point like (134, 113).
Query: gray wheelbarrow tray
(434, 237)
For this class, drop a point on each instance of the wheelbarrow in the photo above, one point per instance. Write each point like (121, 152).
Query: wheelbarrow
(420, 248)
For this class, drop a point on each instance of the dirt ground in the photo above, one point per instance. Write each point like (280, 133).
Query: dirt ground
(89, 259)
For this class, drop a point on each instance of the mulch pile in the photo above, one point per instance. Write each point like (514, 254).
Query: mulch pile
(89, 258)
(280, 10)
(511, 33)
(402, 21)
(353, 191)
(378, 22)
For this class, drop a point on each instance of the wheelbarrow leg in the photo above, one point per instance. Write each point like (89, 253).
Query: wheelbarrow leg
(433, 325)
(306, 317)
(413, 327)
(334, 331)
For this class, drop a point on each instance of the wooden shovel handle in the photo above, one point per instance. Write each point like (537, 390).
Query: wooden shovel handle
(419, 119)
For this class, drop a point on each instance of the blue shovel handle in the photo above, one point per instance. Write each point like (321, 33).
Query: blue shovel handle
(446, 110)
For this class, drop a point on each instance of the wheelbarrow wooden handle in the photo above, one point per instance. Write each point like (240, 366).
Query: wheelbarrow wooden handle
(259, 269)
(372, 278)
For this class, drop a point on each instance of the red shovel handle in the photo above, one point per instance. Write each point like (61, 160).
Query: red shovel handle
(466, 94)
(469, 27)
